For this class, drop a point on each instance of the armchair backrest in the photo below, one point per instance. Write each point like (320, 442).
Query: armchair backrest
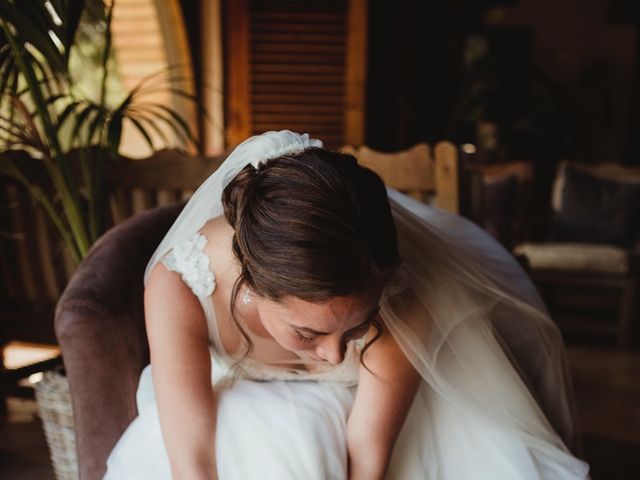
(100, 326)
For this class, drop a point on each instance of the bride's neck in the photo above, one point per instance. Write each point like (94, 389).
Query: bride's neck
(221, 237)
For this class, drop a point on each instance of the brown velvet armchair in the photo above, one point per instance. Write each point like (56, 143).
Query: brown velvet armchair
(100, 327)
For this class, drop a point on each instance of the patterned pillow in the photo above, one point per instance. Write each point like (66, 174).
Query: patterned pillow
(596, 204)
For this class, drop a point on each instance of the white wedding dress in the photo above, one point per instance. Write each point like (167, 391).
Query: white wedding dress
(494, 403)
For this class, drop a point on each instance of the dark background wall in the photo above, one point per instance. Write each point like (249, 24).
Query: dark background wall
(559, 78)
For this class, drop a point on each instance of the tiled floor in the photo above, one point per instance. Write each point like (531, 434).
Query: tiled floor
(607, 384)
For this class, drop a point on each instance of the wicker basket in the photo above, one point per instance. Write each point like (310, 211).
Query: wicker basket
(54, 407)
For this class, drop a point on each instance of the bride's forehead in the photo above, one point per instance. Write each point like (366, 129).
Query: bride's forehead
(335, 309)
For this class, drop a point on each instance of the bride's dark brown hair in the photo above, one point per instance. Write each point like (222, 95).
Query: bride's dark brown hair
(314, 226)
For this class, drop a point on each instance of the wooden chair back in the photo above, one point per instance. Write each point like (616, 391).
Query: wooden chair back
(34, 264)
(416, 171)
(166, 177)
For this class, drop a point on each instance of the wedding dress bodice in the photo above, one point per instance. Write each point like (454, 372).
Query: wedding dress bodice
(192, 263)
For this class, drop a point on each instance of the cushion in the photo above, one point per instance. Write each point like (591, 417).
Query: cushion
(575, 257)
(596, 204)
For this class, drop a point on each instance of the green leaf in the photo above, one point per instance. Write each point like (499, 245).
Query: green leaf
(70, 23)
(98, 123)
(8, 76)
(11, 126)
(143, 132)
(105, 55)
(32, 30)
(49, 101)
(179, 124)
(46, 79)
(80, 120)
(155, 127)
(66, 112)
(114, 133)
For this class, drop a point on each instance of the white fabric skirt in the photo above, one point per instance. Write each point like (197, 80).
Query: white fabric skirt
(297, 430)
(265, 430)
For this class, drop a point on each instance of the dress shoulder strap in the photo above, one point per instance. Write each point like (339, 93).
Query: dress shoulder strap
(189, 260)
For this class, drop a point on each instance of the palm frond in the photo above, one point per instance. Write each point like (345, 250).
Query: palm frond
(142, 131)
(32, 29)
(80, 121)
(173, 120)
(152, 123)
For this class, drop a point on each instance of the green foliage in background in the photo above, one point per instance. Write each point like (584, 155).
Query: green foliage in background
(61, 103)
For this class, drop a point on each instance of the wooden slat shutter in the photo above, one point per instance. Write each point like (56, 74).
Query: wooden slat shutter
(298, 65)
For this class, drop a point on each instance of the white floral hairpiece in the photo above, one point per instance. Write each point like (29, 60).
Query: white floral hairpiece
(299, 144)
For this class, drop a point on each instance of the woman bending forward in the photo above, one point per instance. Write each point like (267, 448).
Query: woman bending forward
(304, 322)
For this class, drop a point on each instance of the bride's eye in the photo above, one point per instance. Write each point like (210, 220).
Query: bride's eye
(305, 338)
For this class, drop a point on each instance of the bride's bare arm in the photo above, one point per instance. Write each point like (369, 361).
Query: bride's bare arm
(380, 408)
(181, 367)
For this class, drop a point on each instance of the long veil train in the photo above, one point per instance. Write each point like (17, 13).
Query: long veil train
(471, 322)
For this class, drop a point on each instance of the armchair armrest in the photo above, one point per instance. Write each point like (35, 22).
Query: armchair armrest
(100, 326)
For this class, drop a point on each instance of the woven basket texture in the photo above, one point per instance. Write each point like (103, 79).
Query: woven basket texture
(54, 408)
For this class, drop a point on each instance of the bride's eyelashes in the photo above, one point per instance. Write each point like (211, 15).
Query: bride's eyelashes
(305, 338)
(350, 335)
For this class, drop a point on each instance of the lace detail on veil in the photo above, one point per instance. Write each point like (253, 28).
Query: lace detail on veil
(189, 260)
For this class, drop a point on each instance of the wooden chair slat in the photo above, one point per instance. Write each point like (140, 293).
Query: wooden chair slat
(446, 177)
(165, 197)
(167, 169)
(138, 201)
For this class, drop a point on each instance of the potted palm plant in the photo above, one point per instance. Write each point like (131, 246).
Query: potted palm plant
(58, 139)
(55, 138)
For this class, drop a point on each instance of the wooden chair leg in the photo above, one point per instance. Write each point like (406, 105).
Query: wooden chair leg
(627, 313)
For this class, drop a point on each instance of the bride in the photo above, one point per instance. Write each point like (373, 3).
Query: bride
(304, 322)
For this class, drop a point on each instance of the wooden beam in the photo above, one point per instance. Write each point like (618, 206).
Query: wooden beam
(238, 74)
(356, 72)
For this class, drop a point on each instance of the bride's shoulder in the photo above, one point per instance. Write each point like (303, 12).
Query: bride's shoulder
(217, 230)
(218, 238)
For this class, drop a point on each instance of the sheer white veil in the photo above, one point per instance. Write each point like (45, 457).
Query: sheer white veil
(462, 309)
(472, 323)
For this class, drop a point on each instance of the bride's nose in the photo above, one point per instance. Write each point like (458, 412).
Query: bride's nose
(331, 351)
